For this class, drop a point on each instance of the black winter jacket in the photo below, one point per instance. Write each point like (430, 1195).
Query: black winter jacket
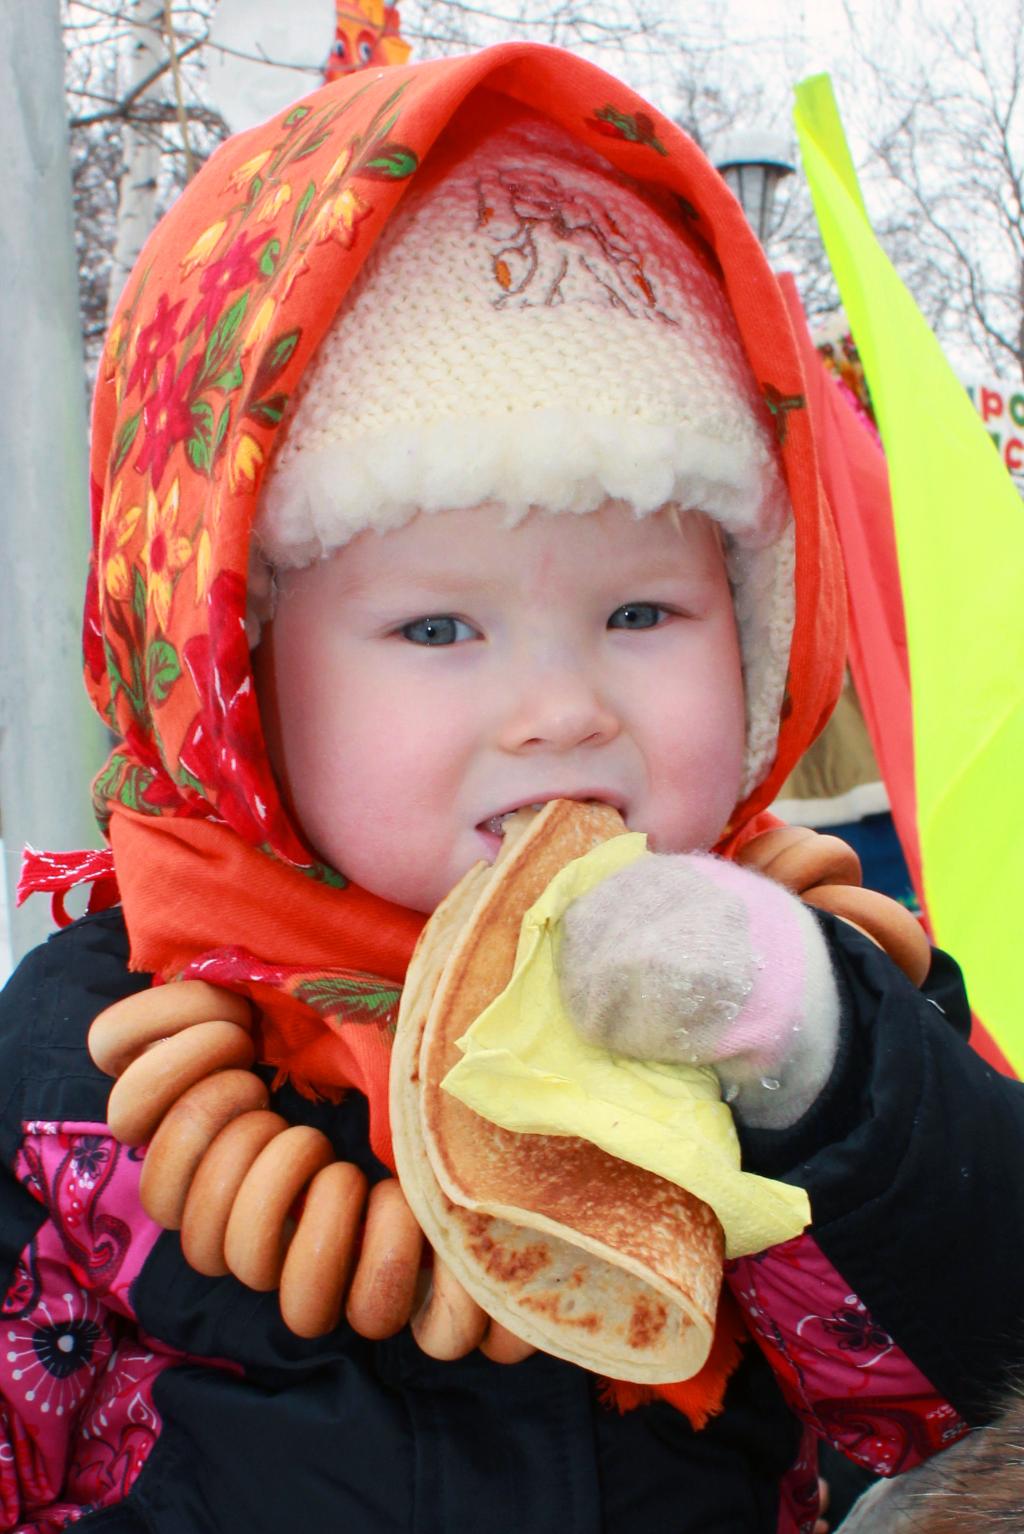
(136, 1395)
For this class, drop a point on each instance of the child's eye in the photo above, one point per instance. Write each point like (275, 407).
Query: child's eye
(441, 630)
(638, 615)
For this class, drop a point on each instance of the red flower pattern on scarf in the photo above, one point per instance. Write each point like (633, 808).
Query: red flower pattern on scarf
(235, 269)
(155, 340)
(166, 418)
(225, 744)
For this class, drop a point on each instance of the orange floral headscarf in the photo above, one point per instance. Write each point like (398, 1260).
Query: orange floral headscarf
(230, 298)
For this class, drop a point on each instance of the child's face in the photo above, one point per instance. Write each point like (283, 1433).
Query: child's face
(418, 684)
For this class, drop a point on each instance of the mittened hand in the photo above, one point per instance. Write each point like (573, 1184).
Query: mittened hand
(692, 960)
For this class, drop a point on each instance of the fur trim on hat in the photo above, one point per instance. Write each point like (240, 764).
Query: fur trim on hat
(558, 459)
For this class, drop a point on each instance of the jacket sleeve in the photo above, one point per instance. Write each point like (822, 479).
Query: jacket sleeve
(893, 1324)
(77, 1419)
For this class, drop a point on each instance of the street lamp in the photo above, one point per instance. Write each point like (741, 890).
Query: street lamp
(752, 165)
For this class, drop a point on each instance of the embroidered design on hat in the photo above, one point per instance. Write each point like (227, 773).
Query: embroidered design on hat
(554, 244)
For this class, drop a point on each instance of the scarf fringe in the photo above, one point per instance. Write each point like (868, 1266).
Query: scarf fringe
(56, 873)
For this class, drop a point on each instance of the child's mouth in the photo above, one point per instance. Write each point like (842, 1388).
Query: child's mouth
(495, 825)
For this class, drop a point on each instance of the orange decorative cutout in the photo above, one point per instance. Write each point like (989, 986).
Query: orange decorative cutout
(366, 33)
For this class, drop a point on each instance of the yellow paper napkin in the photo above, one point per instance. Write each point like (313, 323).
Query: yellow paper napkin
(526, 1068)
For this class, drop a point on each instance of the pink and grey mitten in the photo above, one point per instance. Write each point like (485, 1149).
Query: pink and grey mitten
(694, 960)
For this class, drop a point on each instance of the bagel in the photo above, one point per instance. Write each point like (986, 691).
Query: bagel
(154, 1080)
(217, 1179)
(383, 1290)
(126, 1029)
(319, 1259)
(449, 1323)
(811, 861)
(184, 1136)
(502, 1346)
(883, 920)
(259, 1230)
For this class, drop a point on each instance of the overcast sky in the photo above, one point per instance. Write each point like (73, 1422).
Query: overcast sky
(774, 42)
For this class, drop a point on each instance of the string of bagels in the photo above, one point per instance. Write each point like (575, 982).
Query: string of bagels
(270, 1202)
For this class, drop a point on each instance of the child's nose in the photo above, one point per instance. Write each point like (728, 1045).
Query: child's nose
(559, 713)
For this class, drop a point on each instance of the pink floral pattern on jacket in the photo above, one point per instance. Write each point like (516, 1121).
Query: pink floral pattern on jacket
(840, 1372)
(75, 1375)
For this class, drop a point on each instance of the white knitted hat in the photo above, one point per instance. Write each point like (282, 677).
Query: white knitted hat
(532, 330)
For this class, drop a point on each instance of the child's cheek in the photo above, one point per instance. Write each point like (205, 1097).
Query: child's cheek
(696, 755)
(376, 790)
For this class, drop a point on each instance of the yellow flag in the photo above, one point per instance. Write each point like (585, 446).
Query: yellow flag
(959, 525)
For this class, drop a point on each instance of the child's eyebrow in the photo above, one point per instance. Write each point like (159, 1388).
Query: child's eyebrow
(389, 583)
(629, 575)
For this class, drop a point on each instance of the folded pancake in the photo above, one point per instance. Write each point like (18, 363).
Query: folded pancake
(587, 1257)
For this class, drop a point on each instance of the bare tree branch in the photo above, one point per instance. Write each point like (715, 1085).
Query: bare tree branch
(123, 107)
(179, 99)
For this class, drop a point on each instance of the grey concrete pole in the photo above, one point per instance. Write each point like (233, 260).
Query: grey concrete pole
(50, 741)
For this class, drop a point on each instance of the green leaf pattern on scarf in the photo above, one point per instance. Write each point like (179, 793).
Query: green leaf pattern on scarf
(355, 997)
